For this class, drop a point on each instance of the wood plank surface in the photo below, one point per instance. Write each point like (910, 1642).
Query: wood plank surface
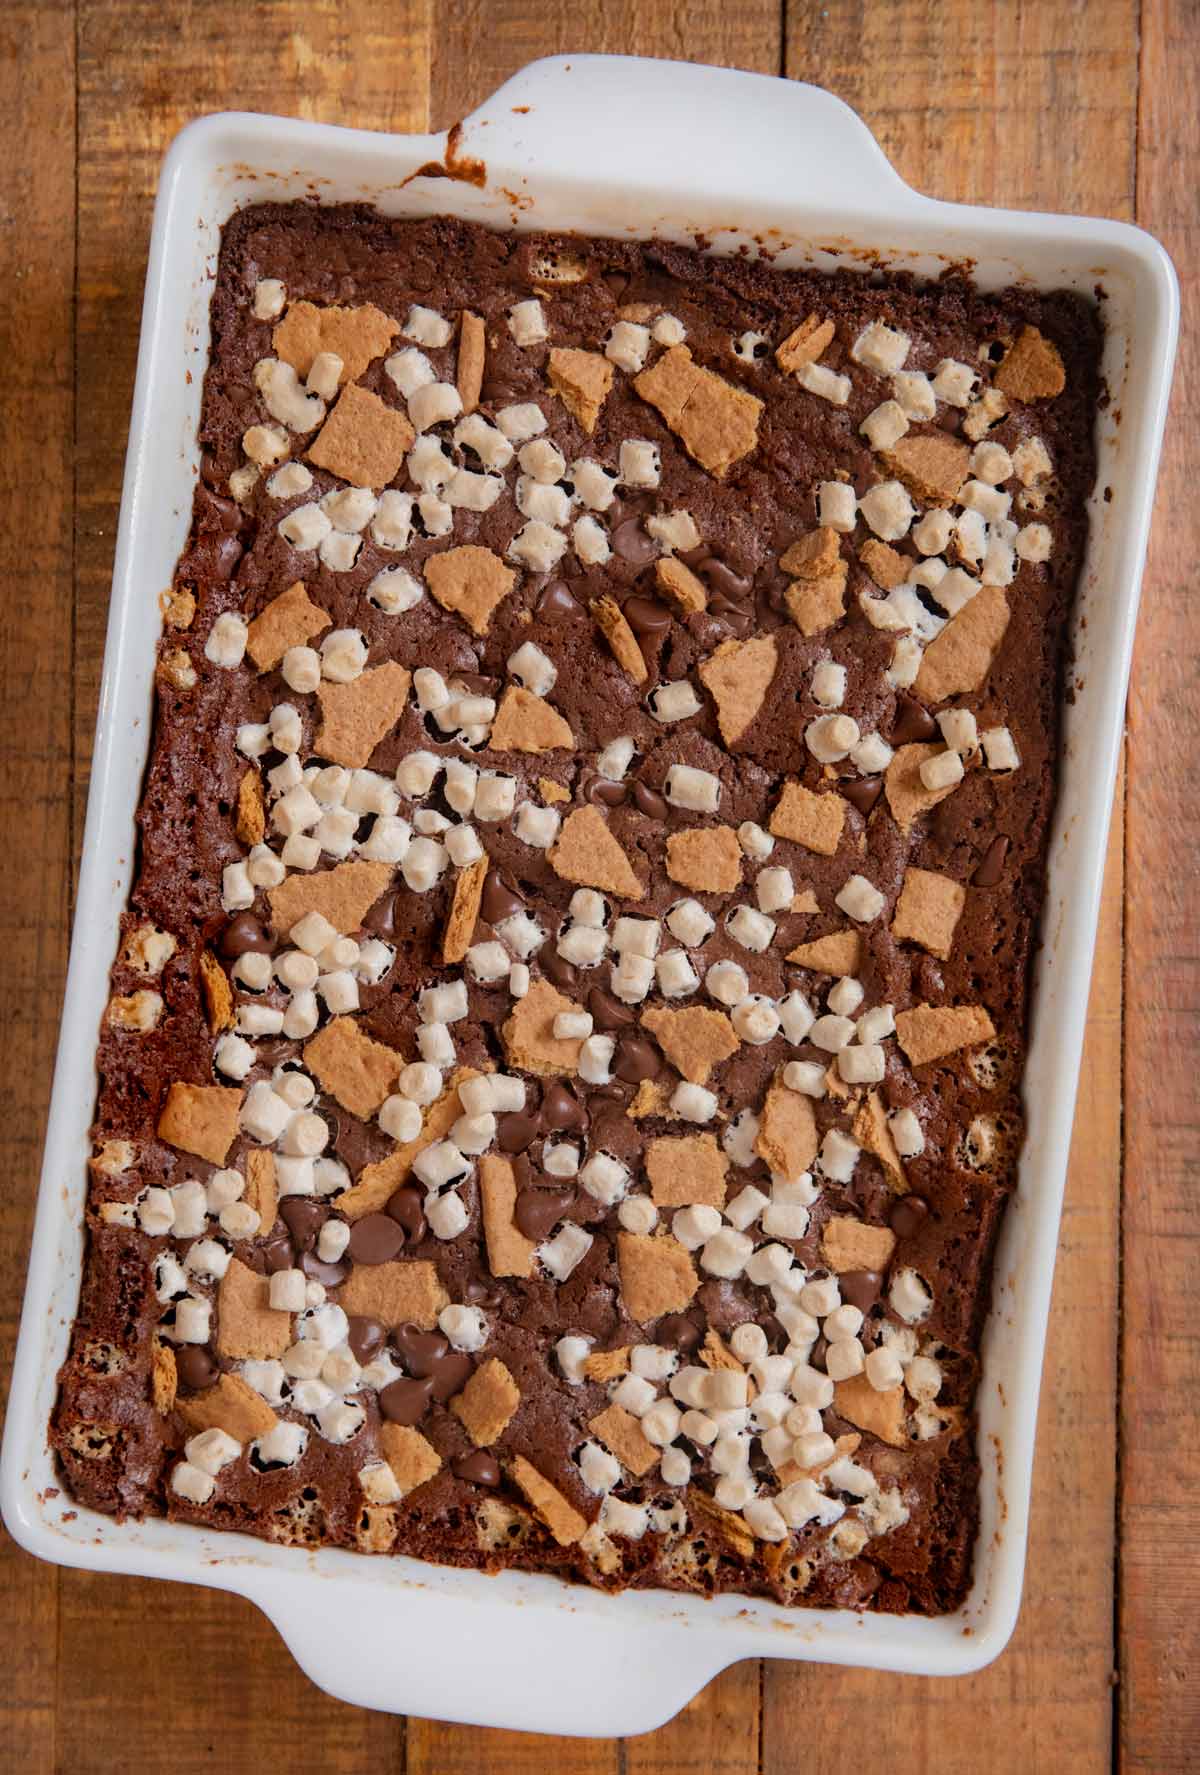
(1160, 1430)
(1021, 102)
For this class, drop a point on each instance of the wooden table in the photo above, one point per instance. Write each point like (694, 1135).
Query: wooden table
(1088, 107)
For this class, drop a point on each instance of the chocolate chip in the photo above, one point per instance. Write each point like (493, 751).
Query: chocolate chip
(724, 581)
(478, 1293)
(557, 601)
(376, 1238)
(406, 1206)
(562, 1111)
(861, 1288)
(648, 619)
(500, 898)
(908, 1214)
(516, 1132)
(366, 1337)
(608, 1012)
(420, 1351)
(732, 616)
(477, 1468)
(630, 541)
(329, 1275)
(816, 1356)
(538, 1211)
(382, 917)
(303, 1218)
(677, 1332)
(557, 968)
(863, 793)
(195, 1367)
(990, 872)
(913, 722)
(277, 1254)
(244, 935)
(636, 1059)
(649, 802)
(406, 1401)
(451, 1374)
(601, 793)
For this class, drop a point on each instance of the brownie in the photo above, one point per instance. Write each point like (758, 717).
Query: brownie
(562, 1079)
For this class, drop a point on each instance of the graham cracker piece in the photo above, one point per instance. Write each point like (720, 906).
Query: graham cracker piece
(527, 723)
(906, 794)
(470, 581)
(377, 1527)
(178, 605)
(200, 1119)
(610, 620)
(486, 1404)
(873, 1134)
(959, 659)
(363, 440)
(815, 821)
(464, 911)
(1031, 369)
(680, 586)
(839, 953)
(509, 1252)
(261, 1192)
(586, 853)
(622, 1436)
(887, 567)
(737, 677)
(164, 1377)
(547, 1503)
(356, 716)
(472, 355)
(231, 1405)
(290, 620)
(929, 1032)
(657, 1275)
(816, 604)
(375, 1183)
(928, 910)
(804, 344)
(707, 858)
(848, 1244)
(711, 1518)
(352, 1068)
(248, 1326)
(804, 901)
(814, 556)
(395, 1293)
(344, 895)
(581, 380)
(931, 464)
(879, 1414)
(250, 817)
(528, 1035)
(716, 422)
(715, 1353)
(791, 1471)
(413, 1459)
(551, 791)
(218, 993)
(356, 335)
(694, 1040)
(787, 1132)
(685, 1169)
(648, 1100)
(607, 1365)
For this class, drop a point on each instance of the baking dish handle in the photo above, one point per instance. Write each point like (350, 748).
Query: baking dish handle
(657, 124)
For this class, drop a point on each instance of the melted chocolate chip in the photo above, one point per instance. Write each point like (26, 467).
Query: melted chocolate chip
(477, 1468)
(451, 1374)
(243, 935)
(636, 1059)
(330, 1275)
(381, 919)
(557, 601)
(420, 1351)
(303, 1218)
(724, 581)
(861, 1288)
(366, 1337)
(677, 1332)
(990, 872)
(277, 1254)
(516, 1132)
(648, 619)
(907, 1215)
(607, 1012)
(376, 1238)
(863, 793)
(602, 793)
(557, 968)
(913, 722)
(538, 1211)
(406, 1401)
(500, 898)
(562, 1111)
(649, 802)
(407, 1208)
(630, 541)
(478, 1293)
(195, 1367)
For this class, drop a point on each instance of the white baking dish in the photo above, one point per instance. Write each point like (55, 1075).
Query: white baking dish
(606, 146)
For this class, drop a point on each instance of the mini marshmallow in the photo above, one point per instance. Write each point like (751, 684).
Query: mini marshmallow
(565, 1251)
(692, 1103)
(860, 899)
(881, 348)
(828, 685)
(637, 1214)
(755, 1020)
(676, 975)
(699, 791)
(839, 1155)
(674, 702)
(726, 982)
(527, 322)
(627, 345)
(885, 425)
(942, 771)
(999, 749)
(689, 923)
(837, 506)
(826, 384)
(830, 737)
(796, 1017)
(909, 1297)
(595, 1059)
(639, 463)
(888, 510)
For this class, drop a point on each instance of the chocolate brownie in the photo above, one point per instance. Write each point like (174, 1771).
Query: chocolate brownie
(562, 1076)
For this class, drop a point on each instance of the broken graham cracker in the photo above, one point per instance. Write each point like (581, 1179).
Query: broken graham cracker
(711, 1518)
(715, 1353)
(716, 422)
(486, 1404)
(356, 716)
(200, 1119)
(552, 791)
(839, 953)
(164, 1377)
(413, 1460)
(586, 853)
(218, 993)
(804, 344)
(874, 1135)
(848, 1244)
(814, 556)
(681, 588)
(357, 335)
(622, 1436)
(509, 1252)
(960, 656)
(931, 464)
(657, 1275)
(527, 723)
(395, 1293)
(607, 1365)
(815, 821)
(1032, 368)
(250, 815)
(547, 1503)
(231, 1405)
(248, 1326)
(887, 567)
(650, 1099)
(290, 620)
(352, 1068)
(930, 1032)
(879, 1414)
(363, 440)
(610, 620)
(470, 581)
(530, 1043)
(787, 1132)
(376, 1182)
(464, 910)
(737, 677)
(907, 796)
(344, 895)
(706, 858)
(582, 381)
(791, 1471)
(685, 1169)
(262, 1191)
(472, 355)
(694, 1040)
(928, 910)
(814, 605)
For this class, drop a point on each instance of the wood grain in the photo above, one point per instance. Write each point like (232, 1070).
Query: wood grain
(1160, 1438)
